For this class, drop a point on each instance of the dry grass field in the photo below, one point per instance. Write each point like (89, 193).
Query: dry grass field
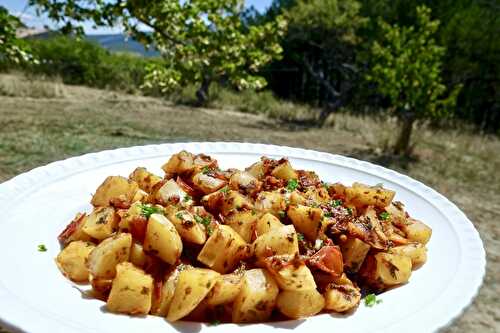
(41, 122)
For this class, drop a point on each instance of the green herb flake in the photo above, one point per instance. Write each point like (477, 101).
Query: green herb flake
(349, 210)
(282, 214)
(205, 170)
(292, 185)
(328, 214)
(336, 203)
(209, 230)
(384, 216)
(214, 322)
(203, 220)
(42, 248)
(187, 198)
(371, 300)
(225, 190)
(148, 210)
(300, 236)
(179, 216)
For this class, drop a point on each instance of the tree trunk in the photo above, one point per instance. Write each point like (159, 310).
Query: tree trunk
(202, 94)
(402, 146)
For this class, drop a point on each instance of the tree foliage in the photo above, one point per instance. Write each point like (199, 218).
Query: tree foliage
(201, 40)
(12, 49)
(406, 67)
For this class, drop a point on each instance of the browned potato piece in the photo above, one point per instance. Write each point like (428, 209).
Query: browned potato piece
(417, 231)
(223, 249)
(226, 289)
(101, 223)
(276, 242)
(182, 162)
(415, 251)
(137, 255)
(257, 297)
(186, 225)
(296, 198)
(256, 170)
(172, 193)
(71, 260)
(114, 187)
(307, 220)
(244, 182)
(192, 287)
(284, 171)
(384, 270)
(290, 273)
(131, 290)
(163, 239)
(270, 202)
(74, 231)
(364, 195)
(163, 298)
(342, 295)
(134, 212)
(106, 255)
(317, 195)
(354, 252)
(243, 222)
(145, 179)
(234, 200)
(267, 222)
(207, 184)
(300, 304)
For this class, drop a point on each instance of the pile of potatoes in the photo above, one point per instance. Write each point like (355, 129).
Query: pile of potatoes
(239, 246)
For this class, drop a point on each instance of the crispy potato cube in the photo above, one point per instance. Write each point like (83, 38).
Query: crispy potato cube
(296, 198)
(364, 195)
(213, 201)
(71, 260)
(341, 296)
(243, 222)
(106, 255)
(137, 255)
(73, 231)
(256, 170)
(317, 195)
(133, 212)
(354, 252)
(270, 202)
(266, 223)
(162, 239)
(172, 193)
(162, 298)
(223, 250)
(257, 297)
(276, 242)
(114, 187)
(180, 163)
(234, 200)
(244, 182)
(289, 273)
(384, 270)
(207, 184)
(226, 289)
(300, 304)
(415, 251)
(192, 287)
(101, 223)
(307, 220)
(417, 231)
(284, 171)
(145, 179)
(131, 291)
(186, 225)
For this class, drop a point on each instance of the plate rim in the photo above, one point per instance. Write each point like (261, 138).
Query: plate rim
(12, 188)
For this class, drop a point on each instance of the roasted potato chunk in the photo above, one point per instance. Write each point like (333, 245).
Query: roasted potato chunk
(299, 304)
(114, 187)
(186, 225)
(276, 242)
(271, 202)
(284, 171)
(145, 179)
(131, 290)
(342, 295)
(207, 184)
(71, 260)
(180, 163)
(364, 195)
(106, 255)
(290, 273)
(384, 270)
(415, 251)
(74, 231)
(101, 223)
(266, 223)
(307, 220)
(162, 297)
(226, 289)
(162, 239)
(257, 297)
(171, 193)
(354, 252)
(243, 222)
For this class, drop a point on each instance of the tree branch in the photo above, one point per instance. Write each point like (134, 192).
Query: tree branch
(320, 78)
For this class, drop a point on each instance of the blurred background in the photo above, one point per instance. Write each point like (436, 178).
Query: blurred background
(413, 85)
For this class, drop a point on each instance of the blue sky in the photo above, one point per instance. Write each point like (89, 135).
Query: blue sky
(28, 15)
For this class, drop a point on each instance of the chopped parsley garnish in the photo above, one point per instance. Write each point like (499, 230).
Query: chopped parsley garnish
(300, 236)
(292, 185)
(203, 220)
(371, 300)
(42, 248)
(282, 214)
(336, 203)
(187, 198)
(254, 212)
(215, 322)
(205, 170)
(179, 216)
(224, 190)
(328, 214)
(384, 216)
(209, 230)
(148, 210)
(349, 210)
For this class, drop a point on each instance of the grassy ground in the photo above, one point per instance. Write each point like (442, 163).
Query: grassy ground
(42, 122)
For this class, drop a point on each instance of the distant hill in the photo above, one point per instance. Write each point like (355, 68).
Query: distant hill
(121, 43)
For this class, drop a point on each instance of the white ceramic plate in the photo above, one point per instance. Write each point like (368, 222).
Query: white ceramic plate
(37, 205)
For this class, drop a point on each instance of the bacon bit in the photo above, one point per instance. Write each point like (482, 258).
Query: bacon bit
(138, 227)
(308, 178)
(70, 228)
(188, 188)
(120, 203)
(328, 259)
(157, 290)
(272, 183)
